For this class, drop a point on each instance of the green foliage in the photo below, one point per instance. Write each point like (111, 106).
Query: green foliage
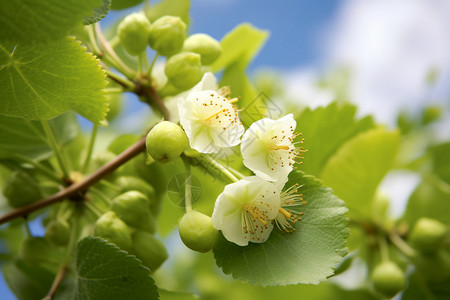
(357, 168)
(325, 130)
(41, 21)
(35, 81)
(441, 161)
(99, 13)
(27, 282)
(27, 138)
(307, 255)
(106, 272)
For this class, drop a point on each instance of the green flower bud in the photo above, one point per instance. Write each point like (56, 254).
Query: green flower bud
(166, 141)
(428, 235)
(388, 279)
(133, 33)
(203, 44)
(197, 232)
(113, 229)
(58, 232)
(167, 35)
(132, 208)
(184, 70)
(36, 250)
(21, 189)
(132, 183)
(150, 250)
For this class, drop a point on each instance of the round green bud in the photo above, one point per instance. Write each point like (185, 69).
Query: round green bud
(132, 183)
(133, 208)
(133, 33)
(166, 141)
(428, 235)
(36, 250)
(203, 44)
(167, 35)
(388, 279)
(197, 232)
(58, 232)
(150, 250)
(21, 189)
(113, 229)
(184, 70)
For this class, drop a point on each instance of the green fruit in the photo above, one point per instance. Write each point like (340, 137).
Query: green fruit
(150, 250)
(203, 44)
(58, 232)
(197, 232)
(428, 235)
(184, 70)
(388, 279)
(133, 33)
(36, 250)
(166, 141)
(113, 229)
(131, 183)
(133, 208)
(21, 189)
(167, 35)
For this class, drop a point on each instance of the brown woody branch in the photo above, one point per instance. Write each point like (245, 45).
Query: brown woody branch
(77, 190)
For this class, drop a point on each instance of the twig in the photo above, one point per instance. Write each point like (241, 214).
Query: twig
(76, 190)
(58, 279)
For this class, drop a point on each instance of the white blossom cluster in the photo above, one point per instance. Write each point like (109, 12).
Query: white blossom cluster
(247, 209)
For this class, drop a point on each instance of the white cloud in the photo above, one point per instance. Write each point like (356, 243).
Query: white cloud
(391, 46)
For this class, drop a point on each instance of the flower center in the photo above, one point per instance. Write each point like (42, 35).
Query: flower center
(218, 111)
(283, 151)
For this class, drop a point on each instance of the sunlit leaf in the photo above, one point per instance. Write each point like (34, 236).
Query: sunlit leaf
(357, 168)
(31, 21)
(106, 272)
(46, 80)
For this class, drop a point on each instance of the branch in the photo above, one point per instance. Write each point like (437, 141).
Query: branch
(79, 188)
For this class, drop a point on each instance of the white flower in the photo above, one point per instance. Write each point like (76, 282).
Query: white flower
(208, 82)
(245, 210)
(209, 119)
(268, 148)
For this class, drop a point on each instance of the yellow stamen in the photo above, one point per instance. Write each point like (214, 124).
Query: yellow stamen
(278, 147)
(285, 213)
(255, 216)
(234, 100)
(215, 114)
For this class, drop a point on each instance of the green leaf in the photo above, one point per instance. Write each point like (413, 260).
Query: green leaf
(441, 161)
(27, 138)
(31, 21)
(241, 44)
(122, 143)
(122, 4)
(46, 80)
(179, 8)
(27, 282)
(419, 289)
(99, 13)
(325, 130)
(307, 255)
(106, 272)
(431, 199)
(357, 168)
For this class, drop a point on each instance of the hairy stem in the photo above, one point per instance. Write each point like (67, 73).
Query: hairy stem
(56, 149)
(43, 169)
(76, 191)
(401, 245)
(187, 186)
(87, 160)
